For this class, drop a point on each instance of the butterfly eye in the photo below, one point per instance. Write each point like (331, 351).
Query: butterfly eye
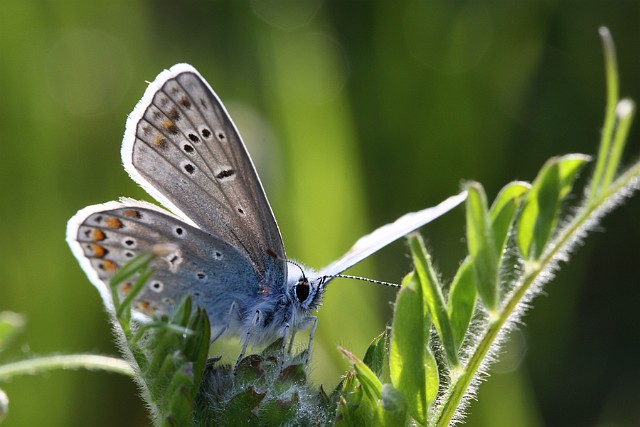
(302, 290)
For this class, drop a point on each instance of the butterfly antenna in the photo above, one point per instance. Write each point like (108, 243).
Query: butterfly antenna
(299, 266)
(323, 279)
(273, 254)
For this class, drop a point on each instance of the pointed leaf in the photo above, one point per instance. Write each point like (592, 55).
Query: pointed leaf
(542, 205)
(431, 290)
(568, 168)
(462, 295)
(368, 380)
(376, 356)
(514, 190)
(407, 358)
(481, 244)
(462, 301)
(504, 210)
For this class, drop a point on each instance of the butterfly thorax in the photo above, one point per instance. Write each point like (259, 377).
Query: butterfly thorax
(279, 310)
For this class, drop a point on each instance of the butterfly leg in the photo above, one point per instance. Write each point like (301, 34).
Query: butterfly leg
(285, 338)
(293, 336)
(254, 322)
(311, 334)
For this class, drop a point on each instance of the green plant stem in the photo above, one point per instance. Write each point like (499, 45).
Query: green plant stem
(67, 361)
(560, 244)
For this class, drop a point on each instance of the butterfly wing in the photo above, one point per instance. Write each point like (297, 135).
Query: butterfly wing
(190, 262)
(181, 146)
(386, 234)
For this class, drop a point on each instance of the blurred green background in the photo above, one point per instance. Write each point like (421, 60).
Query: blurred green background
(355, 112)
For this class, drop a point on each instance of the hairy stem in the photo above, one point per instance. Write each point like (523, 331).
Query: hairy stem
(67, 361)
(562, 244)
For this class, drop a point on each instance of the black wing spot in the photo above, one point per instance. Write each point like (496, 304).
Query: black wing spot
(174, 114)
(128, 254)
(174, 261)
(217, 254)
(225, 174)
(206, 133)
(185, 102)
(156, 286)
(201, 276)
(130, 242)
(221, 136)
(188, 148)
(240, 211)
(193, 137)
(189, 168)
(179, 231)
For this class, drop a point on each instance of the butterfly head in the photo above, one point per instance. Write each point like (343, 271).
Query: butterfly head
(306, 294)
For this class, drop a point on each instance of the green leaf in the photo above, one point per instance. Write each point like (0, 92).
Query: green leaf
(368, 380)
(463, 293)
(240, 409)
(431, 292)
(377, 355)
(542, 205)
(137, 264)
(352, 409)
(123, 312)
(394, 407)
(482, 247)
(408, 353)
(278, 412)
(504, 210)
(462, 301)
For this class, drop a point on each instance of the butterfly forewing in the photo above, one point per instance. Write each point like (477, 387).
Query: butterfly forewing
(189, 261)
(386, 234)
(183, 148)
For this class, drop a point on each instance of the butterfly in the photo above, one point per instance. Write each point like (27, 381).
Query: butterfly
(218, 240)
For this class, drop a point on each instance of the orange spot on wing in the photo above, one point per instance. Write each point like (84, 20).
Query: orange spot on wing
(131, 213)
(98, 235)
(160, 141)
(169, 126)
(113, 222)
(125, 288)
(108, 266)
(144, 306)
(98, 250)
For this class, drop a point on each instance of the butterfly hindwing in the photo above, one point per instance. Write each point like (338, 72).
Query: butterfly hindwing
(189, 262)
(183, 148)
